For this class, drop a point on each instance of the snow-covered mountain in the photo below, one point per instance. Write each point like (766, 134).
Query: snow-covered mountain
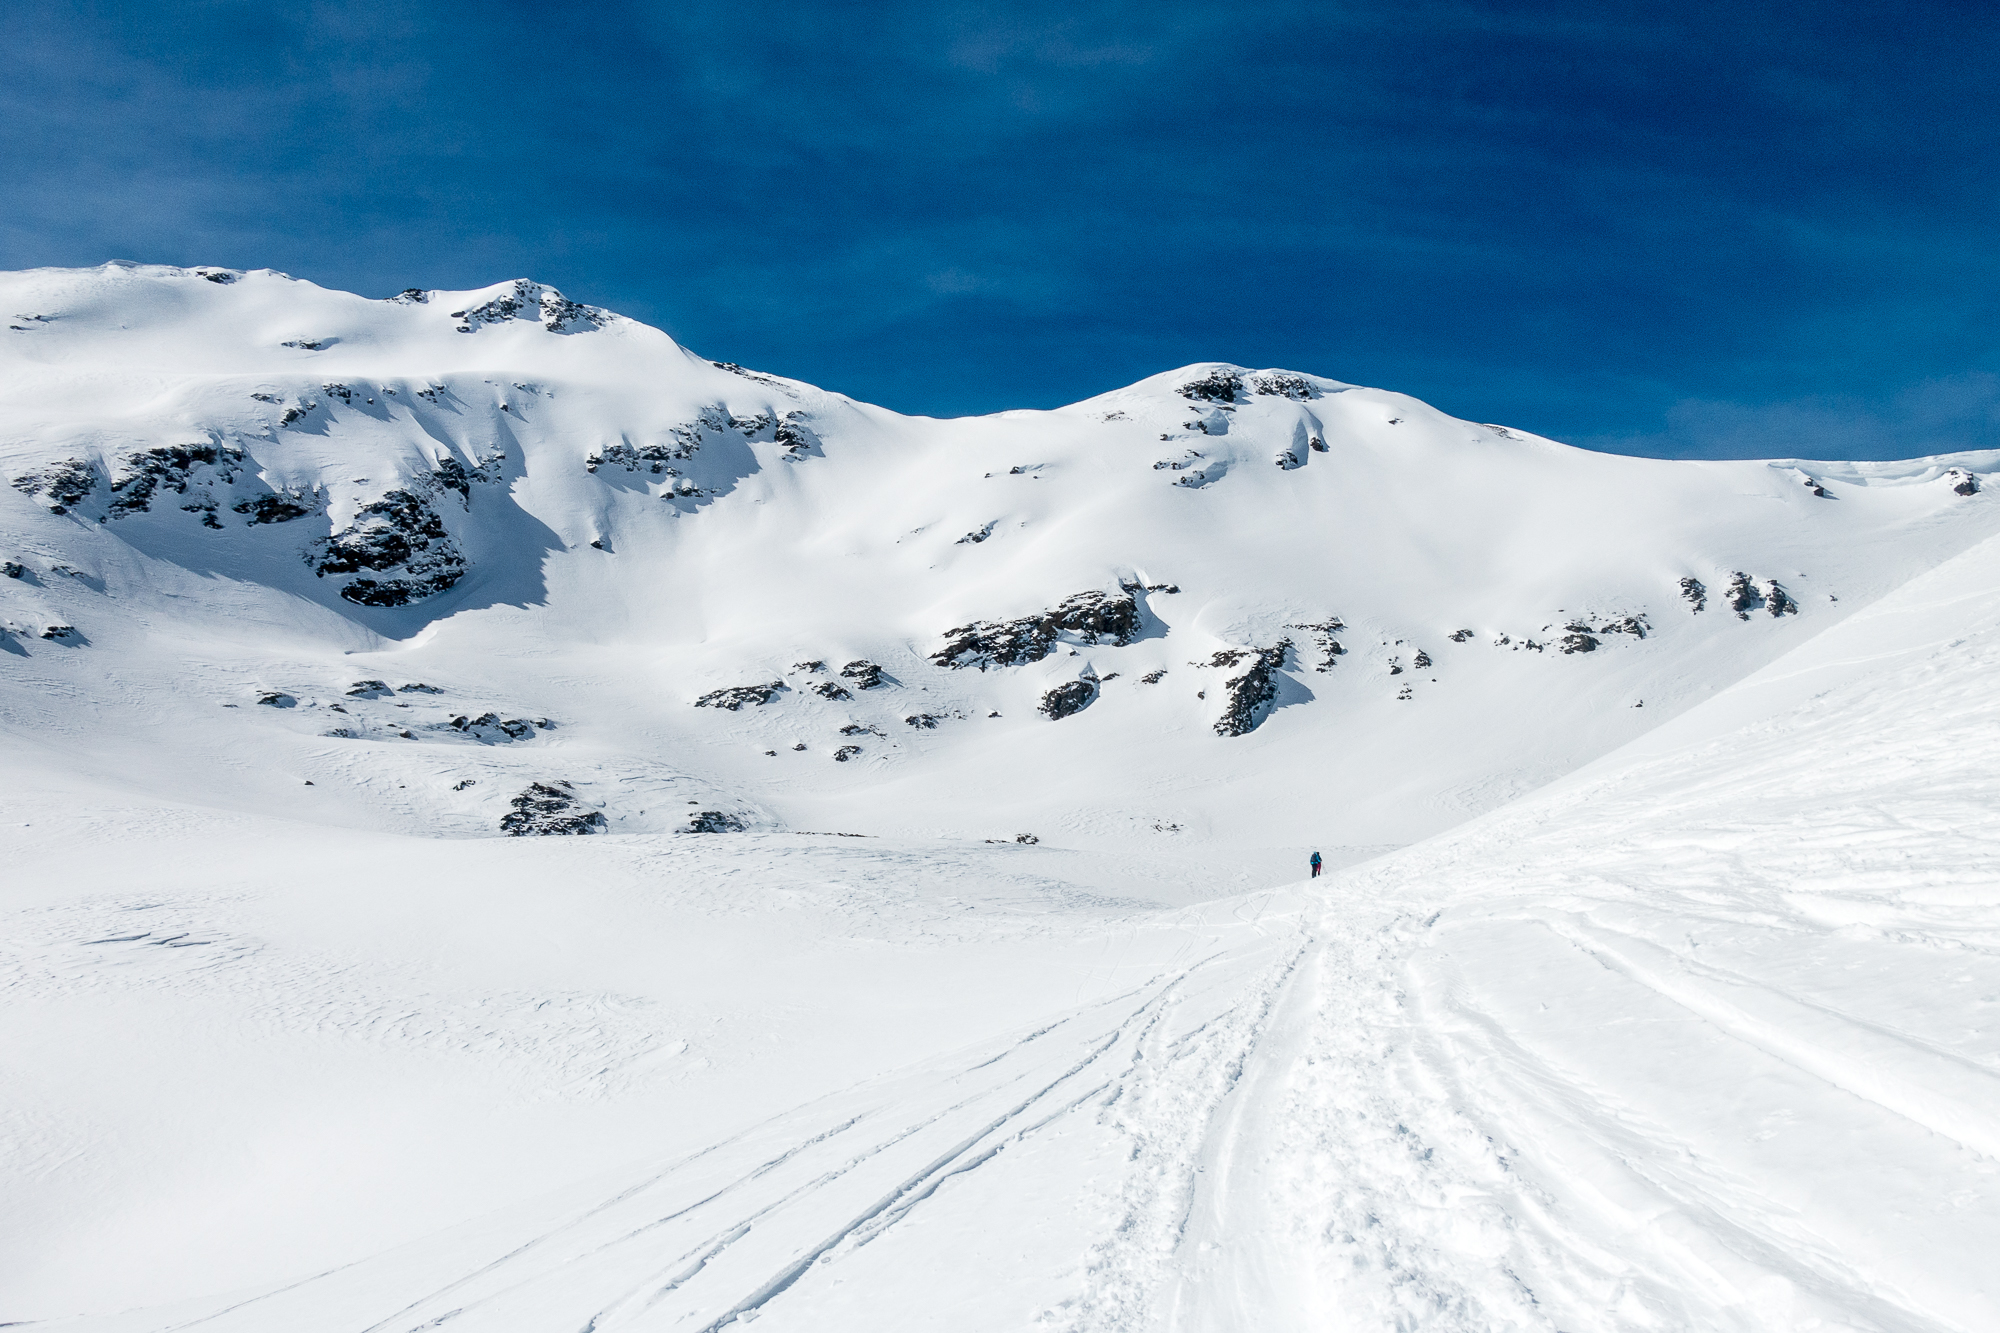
(311, 600)
(665, 580)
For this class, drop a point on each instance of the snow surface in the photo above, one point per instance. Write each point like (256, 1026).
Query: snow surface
(1673, 1010)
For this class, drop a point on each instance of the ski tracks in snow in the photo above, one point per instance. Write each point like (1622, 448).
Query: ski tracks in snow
(1342, 1188)
(770, 1224)
(1706, 1044)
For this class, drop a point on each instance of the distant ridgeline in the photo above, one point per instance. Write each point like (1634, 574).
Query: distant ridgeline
(559, 510)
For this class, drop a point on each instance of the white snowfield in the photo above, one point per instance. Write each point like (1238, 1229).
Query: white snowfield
(1673, 1016)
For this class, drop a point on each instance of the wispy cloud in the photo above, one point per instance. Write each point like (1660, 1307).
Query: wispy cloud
(1930, 417)
(1685, 229)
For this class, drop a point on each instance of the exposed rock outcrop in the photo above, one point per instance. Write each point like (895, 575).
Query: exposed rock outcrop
(276, 507)
(1741, 596)
(1250, 693)
(751, 375)
(1206, 475)
(531, 300)
(1329, 647)
(687, 439)
(864, 673)
(797, 436)
(1091, 617)
(1218, 386)
(653, 458)
(65, 483)
(399, 535)
(448, 474)
(549, 809)
(1284, 384)
(1215, 421)
(1745, 595)
(739, 696)
(1068, 699)
(491, 728)
(1583, 636)
(143, 474)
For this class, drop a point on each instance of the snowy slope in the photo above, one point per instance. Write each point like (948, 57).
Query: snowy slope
(1694, 1037)
(1697, 1039)
(746, 525)
(1702, 1037)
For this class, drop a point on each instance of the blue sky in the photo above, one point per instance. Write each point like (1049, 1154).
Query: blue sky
(1691, 229)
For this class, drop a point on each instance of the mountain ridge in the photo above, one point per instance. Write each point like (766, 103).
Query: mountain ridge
(502, 475)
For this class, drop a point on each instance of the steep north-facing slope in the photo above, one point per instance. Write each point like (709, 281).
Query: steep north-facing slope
(465, 559)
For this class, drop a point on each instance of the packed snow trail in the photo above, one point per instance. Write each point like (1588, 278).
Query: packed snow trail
(1704, 1038)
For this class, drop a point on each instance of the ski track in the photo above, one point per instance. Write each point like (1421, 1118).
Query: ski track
(1418, 1145)
(680, 1228)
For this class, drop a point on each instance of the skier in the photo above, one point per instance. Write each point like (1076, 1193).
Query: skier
(1315, 865)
